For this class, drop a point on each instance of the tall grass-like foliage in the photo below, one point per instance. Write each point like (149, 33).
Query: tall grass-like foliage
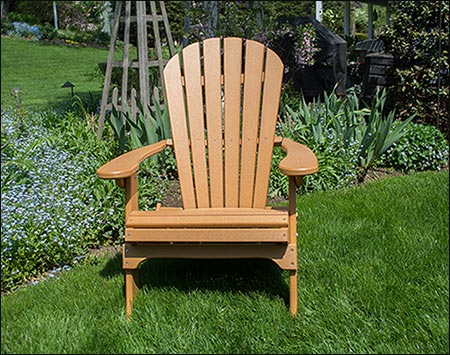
(377, 133)
(347, 139)
(147, 129)
(50, 214)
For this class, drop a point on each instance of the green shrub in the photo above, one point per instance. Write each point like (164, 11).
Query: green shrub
(423, 147)
(337, 169)
(319, 126)
(33, 12)
(175, 14)
(7, 26)
(345, 155)
(48, 32)
(347, 139)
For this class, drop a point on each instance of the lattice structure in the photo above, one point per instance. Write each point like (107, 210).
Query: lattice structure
(122, 14)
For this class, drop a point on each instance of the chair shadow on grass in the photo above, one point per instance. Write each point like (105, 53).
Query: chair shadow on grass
(224, 275)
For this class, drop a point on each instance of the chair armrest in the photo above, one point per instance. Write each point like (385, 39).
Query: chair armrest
(127, 164)
(299, 161)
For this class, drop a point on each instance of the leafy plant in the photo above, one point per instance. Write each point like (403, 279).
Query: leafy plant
(423, 147)
(377, 134)
(337, 169)
(118, 124)
(347, 139)
(147, 129)
(324, 127)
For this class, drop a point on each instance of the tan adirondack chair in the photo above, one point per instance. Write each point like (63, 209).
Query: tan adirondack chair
(223, 99)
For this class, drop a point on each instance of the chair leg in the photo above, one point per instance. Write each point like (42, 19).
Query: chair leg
(131, 289)
(293, 292)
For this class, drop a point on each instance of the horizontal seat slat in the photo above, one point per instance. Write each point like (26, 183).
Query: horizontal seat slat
(208, 218)
(212, 235)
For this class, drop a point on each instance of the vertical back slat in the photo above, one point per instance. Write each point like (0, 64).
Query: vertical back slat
(232, 88)
(254, 58)
(177, 113)
(194, 100)
(213, 101)
(270, 101)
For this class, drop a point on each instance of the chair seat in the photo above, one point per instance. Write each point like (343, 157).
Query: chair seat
(208, 225)
(209, 218)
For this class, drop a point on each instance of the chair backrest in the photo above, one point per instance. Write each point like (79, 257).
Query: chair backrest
(223, 98)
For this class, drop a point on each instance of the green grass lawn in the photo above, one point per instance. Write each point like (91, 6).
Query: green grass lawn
(373, 278)
(40, 70)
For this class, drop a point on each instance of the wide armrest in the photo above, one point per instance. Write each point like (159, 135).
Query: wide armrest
(127, 164)
(299, 161)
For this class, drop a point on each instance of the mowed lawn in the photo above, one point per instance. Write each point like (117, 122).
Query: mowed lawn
(41, 69)
(373, 278)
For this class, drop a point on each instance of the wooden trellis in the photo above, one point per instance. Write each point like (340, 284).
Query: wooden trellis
(143, 62)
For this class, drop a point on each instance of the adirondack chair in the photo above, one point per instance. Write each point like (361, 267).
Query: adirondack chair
(223, 99)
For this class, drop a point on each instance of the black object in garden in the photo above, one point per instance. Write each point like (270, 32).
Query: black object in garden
(330, 67)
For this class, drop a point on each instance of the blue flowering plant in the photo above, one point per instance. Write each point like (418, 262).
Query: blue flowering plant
(50, 212)
(23, 29)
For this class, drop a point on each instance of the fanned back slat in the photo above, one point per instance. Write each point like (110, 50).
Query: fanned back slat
(177, 112)
(254, 57)
(213, 100)
(232, 86)
(194, 99)
(236, 103)
(271, 97)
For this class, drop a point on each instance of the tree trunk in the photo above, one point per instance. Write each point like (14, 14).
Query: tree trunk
(5, 8)
(187, 23)
(259, 14)
(212, 9)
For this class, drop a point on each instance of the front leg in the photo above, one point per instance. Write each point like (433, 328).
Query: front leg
(131, 289)
(131, 194)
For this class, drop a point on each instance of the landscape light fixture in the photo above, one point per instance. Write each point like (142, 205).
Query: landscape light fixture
(15, 92)
(68, 84)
